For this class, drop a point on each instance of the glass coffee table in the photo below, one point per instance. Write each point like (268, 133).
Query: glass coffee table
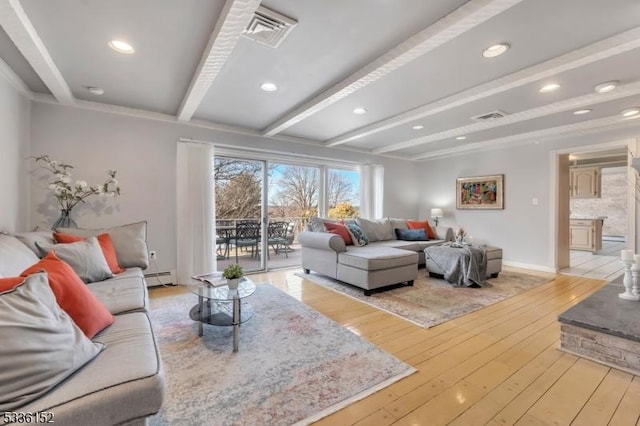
(222, 306)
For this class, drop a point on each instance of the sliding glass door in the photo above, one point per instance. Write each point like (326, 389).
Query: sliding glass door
(262, 206)
(239, 212)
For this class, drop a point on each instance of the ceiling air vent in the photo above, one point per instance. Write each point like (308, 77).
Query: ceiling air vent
(490, 116)
(269, 27)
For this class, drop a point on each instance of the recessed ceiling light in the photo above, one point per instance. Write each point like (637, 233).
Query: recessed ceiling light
(582, 111)
(461, 138)
(268, 87)
(95, 90)
(605, 87)
(418, 127)
(549, 87)
(495, 50)
(359, 111)
(121, 46)
(630, 112)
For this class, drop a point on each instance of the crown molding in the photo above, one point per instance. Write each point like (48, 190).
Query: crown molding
(613, 122)
(235, 16)
(14, 80)
(461, 20)
(18, 27)
(600, 50)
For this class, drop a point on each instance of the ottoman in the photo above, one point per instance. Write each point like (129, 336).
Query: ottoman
(494, 263)
(371, 268)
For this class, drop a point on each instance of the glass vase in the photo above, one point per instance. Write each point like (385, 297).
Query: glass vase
(64, 221)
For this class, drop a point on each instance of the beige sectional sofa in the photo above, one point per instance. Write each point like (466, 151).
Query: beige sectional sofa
(384, 261)
(124, 383)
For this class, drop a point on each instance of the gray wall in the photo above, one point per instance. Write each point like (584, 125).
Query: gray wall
(14, 149)
(143, 152)
(521, 229)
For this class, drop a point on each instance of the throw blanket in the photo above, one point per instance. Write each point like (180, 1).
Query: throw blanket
(464, 266)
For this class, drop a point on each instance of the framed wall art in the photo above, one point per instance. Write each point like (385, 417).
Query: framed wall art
(482, 192)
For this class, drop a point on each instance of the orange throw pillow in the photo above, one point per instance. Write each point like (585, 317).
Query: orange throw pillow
(9, 283)
(106, 245)
(66, 238)
(72, 295)
(339, 229)
(109, 253)
(415, 224)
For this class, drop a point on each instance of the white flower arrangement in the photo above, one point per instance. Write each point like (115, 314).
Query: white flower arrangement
(68, 193)
(460, 233)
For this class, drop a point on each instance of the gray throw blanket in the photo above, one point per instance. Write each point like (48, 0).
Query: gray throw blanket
(463, 267)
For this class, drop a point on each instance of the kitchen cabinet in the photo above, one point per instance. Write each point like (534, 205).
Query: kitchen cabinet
(585, 182)
(586, 234)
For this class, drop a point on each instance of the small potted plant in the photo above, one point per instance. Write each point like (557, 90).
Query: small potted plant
(233, 273)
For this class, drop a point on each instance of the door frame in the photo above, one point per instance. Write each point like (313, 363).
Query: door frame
(559, 244)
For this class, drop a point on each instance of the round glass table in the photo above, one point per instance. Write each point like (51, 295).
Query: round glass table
(222, 306)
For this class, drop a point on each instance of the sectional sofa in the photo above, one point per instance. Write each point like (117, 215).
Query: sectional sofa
(382, 261)
(124, 382)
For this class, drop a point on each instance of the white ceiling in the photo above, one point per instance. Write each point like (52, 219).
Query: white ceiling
(408, 63)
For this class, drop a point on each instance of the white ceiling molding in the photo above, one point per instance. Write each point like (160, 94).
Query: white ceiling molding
(603, 49)
(232, 21)
(461, 20)
(15, 81)
(172, 119)
(613, 121)
(18, 27)
(578, 102)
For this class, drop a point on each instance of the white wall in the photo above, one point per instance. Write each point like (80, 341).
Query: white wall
(143, 152)
(522, 229)
(14, 150)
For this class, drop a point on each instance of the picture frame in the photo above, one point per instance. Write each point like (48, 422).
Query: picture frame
(480, 192)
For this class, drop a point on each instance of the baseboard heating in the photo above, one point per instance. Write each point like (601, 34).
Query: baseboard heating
(160, 278)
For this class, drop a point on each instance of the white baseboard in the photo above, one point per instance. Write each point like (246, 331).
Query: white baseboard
(529, 266)
(160, 278)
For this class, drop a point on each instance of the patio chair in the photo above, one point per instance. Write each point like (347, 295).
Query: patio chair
(248, 236)
(277, 236)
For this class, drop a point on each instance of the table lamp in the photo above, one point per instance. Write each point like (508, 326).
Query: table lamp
(436, 214)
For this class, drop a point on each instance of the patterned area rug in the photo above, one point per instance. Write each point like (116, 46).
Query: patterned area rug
(294, 365)
(433, 301)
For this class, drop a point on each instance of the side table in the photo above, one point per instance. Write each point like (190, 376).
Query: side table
(222, 306)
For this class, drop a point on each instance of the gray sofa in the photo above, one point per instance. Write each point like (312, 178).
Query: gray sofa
(123, 384)
(384, 261)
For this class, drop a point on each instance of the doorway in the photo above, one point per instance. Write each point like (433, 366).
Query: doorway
(601, 207)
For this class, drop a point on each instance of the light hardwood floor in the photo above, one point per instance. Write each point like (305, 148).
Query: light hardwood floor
(603, 265)
(498, 366)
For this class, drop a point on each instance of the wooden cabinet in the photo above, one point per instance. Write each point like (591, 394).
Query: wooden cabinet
(585, 182)
(586, 234)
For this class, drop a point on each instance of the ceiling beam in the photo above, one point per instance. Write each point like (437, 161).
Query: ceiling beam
(603, 49)
(613, 121)
(565, 105)
(461, 20)
(18, 27)
(234, 18)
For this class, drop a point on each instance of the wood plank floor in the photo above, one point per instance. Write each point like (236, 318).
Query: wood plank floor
(497, 366)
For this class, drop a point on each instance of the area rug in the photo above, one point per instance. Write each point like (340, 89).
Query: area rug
(294, 365)
(432, 301)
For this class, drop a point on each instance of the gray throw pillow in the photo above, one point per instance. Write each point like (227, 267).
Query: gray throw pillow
(377, 230)
(412, 234)
(15, 257)
(85, 258)
(30, 238)
(129, 241)
(41, 345)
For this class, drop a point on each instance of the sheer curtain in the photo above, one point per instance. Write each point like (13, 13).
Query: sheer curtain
(195, 210)
(372, 190)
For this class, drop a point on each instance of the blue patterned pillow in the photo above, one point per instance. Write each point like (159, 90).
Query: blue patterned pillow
(358, 236)
(412, 234)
